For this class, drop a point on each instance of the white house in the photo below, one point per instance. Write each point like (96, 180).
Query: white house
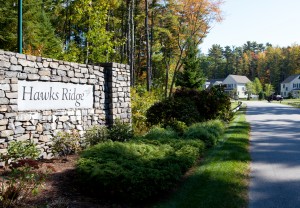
(236, 85)
(212, 82)
(291, 85)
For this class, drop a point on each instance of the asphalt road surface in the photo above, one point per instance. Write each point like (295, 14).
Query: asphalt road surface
(275, 153)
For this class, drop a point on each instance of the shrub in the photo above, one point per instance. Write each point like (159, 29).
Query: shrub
(96, 134)
(161, 133)
(141, 101)
(191, 106)
(120, 132)
(18, 150)
(65, 143)
(134, 170)
(171, 109)
(209, 132)
(177, 126)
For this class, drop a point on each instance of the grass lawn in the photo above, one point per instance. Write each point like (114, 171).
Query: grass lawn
(292, 102)
(221, 179)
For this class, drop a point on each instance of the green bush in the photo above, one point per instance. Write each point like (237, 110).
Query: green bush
(120, 132)
(161, 133)
(191, 106)
(209, 132)
(177, 126)
(141, 101)
(18, 150)
(65, 143)
(96, 134)
(134, 170)
(171, 109)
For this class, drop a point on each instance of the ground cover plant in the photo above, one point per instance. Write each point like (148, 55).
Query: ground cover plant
(134, 171)
(221, 180)
(145, 167)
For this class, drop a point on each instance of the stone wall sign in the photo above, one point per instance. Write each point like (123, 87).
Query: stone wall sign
(53, 95)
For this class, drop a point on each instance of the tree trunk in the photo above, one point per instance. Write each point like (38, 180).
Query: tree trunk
(148, 67)
(132, 51)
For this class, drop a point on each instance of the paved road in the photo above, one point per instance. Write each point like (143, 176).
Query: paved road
(275, 152)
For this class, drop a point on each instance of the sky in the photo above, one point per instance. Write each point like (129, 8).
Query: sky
(273, 21)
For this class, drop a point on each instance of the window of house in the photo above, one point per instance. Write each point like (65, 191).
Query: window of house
(286, 89)
(284, 93)
(294, 85)
(283, 86)
(243, 88)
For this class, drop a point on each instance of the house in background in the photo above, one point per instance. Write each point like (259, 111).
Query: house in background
(212, 82)
(291, 85)
(235, 85)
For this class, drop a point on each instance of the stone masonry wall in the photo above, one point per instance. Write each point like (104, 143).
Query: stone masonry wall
(111, 84)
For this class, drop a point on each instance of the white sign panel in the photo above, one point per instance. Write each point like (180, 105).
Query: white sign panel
(53, 95)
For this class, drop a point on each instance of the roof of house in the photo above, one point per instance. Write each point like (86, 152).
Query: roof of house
(239, 79)
(215, 80)
(290, 78)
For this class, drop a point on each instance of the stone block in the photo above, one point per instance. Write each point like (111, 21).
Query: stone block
(5, 87)
(33, 77)
(44, 73)
(14, 87)
(54, 65)
(23, 62)
(4, 101)
(45, 64)
(4, 64)
(30, 70)
(19, 130)
(16, 68)
(23, 117)
(31, 58)
(44, 138)
(22, 75)
(12, 95)
(3, 122)
(64, 118)
(23, 138)
(44, 78)
(6, 133)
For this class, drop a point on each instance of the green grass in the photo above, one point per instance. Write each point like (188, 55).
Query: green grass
(221, 179)
(292, 102)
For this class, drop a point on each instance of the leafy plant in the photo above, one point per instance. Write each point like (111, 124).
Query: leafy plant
(96, 134)
(21, 182)
(191, 106)
(120, 132)
(136, 170)
(65, 143)
(141, 101)
(18, 150)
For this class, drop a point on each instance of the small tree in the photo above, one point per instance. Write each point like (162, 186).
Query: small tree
(250, 89)
(191, 76)
(257, 86)
(269, 89)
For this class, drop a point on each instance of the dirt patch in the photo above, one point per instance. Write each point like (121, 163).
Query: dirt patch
(59, 190)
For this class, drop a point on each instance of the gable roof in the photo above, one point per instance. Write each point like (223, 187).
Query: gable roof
(239, 79)
(290, 78)
(212, 81)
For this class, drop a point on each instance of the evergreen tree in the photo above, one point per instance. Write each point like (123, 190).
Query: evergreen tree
(191, 76)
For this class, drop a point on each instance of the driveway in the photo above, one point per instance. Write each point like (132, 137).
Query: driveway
(275, 153)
